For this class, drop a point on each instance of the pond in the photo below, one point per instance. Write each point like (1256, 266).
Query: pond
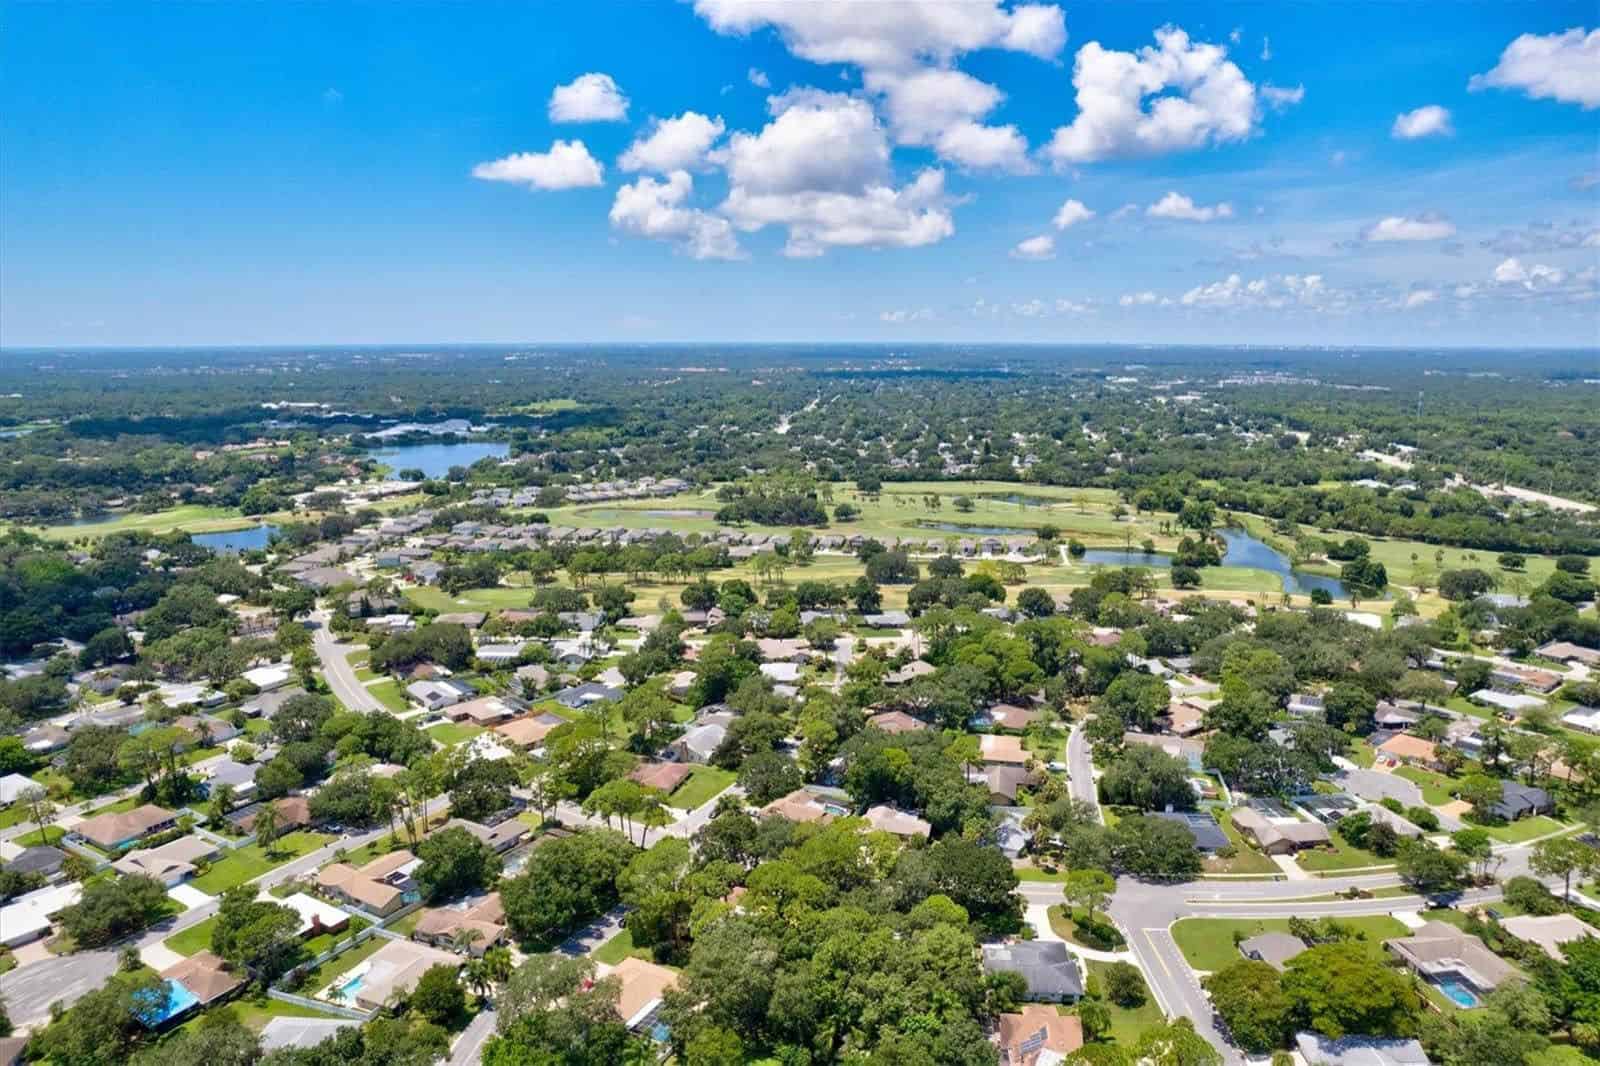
(978, 531)
(1119, 557)
(435, 460)
(1245, 550)
(234, 541)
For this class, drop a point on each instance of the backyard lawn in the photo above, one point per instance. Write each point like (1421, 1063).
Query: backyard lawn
(319, 978)
(247, 863)
(452, 733)
(703, 785)
(1207, 943)
(388, 693)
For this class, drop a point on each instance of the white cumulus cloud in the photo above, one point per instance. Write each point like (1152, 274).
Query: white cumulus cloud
(592, 97)
(1280, 98)
(679, 143)
(1175, 205)
(567, 165)
(1556, 66)
(1070, 213)
(1035, 248)
(759, 78)
(1396, 228)
(657, 209)
(1512, 272)
(1197, 97)
(1429, 121)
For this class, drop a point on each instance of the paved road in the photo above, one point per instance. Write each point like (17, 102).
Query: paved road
(468, 1048)
(336, 669)
(1080, 768)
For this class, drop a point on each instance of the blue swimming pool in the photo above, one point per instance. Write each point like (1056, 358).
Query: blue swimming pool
(1458, 991)
(178, 1001)
(346, 993)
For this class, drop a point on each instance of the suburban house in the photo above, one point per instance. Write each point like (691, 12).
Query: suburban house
(1513, 677)
(1038, 1031)
(802, 805)
(1521, 801)
(481, 925)
(502, 836)
(1002, 750)
(1438, 951)
(394, 970)
(908, 673)
(1050, 970)
(1549, 931)
(530, 730)
(208, 979)
(1208, 835)
(577, 697)
(663, 776)
(1184, 719)
(172, 863)
(1563, 651)
(1275, 949)
(294, 812)
(643, 985)
(1004, 781)
(41, 859)
(316, 917)
(485, 711)
(1360, 1051)
(1279, 837)
(28, 917)
(239, 776)
(378, 887)
(437, 695)
(1012, 717)
(119, 830)
(1510, 704)
(698, 744)
(1405, 748)
(897, 822)
(14, 787)
(895, 722)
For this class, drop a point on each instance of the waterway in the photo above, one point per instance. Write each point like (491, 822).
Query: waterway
(234, 541)
(1246, 550)
(435, 460)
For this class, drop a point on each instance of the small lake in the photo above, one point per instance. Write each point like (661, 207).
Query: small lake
(235, 540)
(1245, 550)
(435, 460)
(1119, 557)
(978, 531)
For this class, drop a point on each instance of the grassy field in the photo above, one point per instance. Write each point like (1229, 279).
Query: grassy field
(193, 517)
(1207, 943)
(452, 733)
(701, 786)
(249, 862)
(389, 693)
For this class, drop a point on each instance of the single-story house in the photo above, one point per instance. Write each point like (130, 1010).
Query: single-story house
(1584, 718)
(45, 739)
(207, 729)
(322, 578)
(439, 926)
(1184, 719)
(1050, 970)
(302, 1032)
(898, 822)
(1208, 835)
(437, 695)
(887, 620)
(1328, 808)
(1026, 1038)
(1512, 704)
(1004, 781)
(394, 970)
(909, 672)
(1549, 931)
(468, 619)
(1279, 837)
(1275, 949)
(1360, 1051)
(316, 917)
(206, 977)
(485, 711)
(500, 653)
(378, 887)
(1010, 716)
(239, 776)
(802, 805)
(172, 863)
(894, 722)
(996, 749)
(28, 916)
(643, 985)
(268, 678)
(1403, 747)
(1011, 838)
(502, 836)
(529, 731)
(577, 697)
(781, 673)
(1515, 676)
(1521, 801)
(267, 703)
(1440, 950)
(118, 830)
(1563, 651)
(41, 859)
(14, 787)
(698, 744)
(664, 776)
(294, 812)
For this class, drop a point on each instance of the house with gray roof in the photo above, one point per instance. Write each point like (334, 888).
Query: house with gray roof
(1050, 970)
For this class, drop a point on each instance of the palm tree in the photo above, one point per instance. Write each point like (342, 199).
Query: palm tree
(266, 828)
(463, 939)
(475, 975)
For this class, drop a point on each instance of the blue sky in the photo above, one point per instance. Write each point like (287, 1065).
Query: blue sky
(746, 170)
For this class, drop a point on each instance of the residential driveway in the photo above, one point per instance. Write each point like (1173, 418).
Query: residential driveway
(29, 990)
(594, 934)
(1375, 786)
(159, 957)
(189, 896)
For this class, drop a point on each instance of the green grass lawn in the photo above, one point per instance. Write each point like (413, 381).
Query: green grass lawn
(453, 733)
(1342, 856)
(390, 695)
(50, 834)
(319, 978)
(405, 926)
(15, 814)
(1246, 860)
(1207, 943)
(1435, 787)
(119, 807)
(1127, 1023)
(255, 727)
(365, 674)
(196, 518)
(194, 939)
(1064, 923)
(247, 863)
(1524, 829)
(703, 785)
(323, 941)
(618, 948)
